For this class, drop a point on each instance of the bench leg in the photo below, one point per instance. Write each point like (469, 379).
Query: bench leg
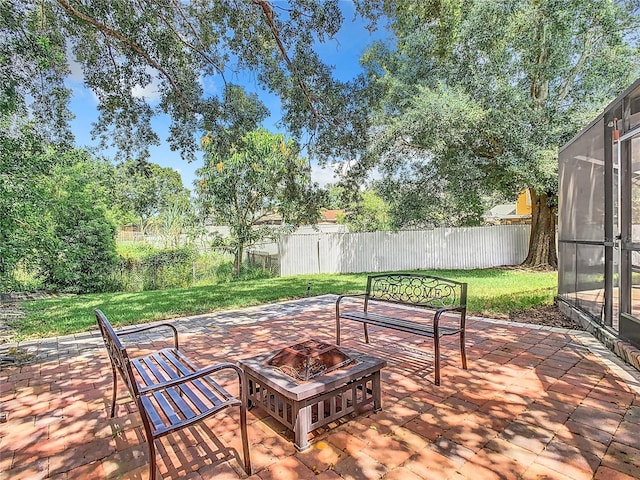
(114, 389)
(436, 354)
(243, 427)
(152, 458)
(463, 350)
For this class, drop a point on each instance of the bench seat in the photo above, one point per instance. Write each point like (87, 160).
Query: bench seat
(400, 324)
(192, 398)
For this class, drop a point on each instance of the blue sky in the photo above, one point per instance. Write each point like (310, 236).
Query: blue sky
(343, 53)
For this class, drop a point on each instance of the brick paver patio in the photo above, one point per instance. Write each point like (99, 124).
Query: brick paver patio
(536, 403)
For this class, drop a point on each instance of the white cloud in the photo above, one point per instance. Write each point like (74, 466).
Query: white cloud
(76, 73)
(150, 92)
(323, 175)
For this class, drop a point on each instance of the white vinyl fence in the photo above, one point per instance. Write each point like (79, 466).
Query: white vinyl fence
(438, 248)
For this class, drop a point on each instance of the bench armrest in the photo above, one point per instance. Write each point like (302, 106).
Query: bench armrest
(122, 333)
(440, 311)
(350, 295)
(203, 372)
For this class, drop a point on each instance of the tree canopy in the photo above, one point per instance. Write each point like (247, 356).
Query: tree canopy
(142, 192)
(189, 54)
(471, 99)
(476, 97)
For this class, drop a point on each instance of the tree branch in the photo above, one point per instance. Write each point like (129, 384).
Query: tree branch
(269, 14)
(539, 90)
(128, 42)
(197, 36)
(589, 41)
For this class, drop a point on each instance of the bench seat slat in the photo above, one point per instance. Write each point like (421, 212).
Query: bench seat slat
(179, 361)
(141, 369)
(165, 407)
(215, 396)
(152, 413)
(179, 402)
(409, 326)
(162, 410)
(147, 366)
(214, 399)
(167, 368)
(195, 399)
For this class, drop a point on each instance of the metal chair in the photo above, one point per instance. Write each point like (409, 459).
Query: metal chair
(170, 392)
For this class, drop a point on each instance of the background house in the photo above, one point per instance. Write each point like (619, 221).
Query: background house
(517, 213)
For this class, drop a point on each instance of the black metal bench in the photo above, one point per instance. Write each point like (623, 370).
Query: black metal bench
(431, 294)
(170, 392)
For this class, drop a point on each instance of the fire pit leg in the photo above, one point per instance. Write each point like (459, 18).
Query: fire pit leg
(302, 426)
(377, 393)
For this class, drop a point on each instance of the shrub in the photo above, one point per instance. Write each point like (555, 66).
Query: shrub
(168, 268)
(78, 251)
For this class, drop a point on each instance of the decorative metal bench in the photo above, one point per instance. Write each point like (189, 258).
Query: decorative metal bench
(430, 294)
(170, 392)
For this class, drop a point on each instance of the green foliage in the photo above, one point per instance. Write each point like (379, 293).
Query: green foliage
(142, 267)
(225, 272)
(369, 214)
(54, 226)
(176, 223)
(211, 267)
(134, 250)
(144, 192)
(128, 46)
(168, 269)
(493, 292)
(501, 103)
(335, 197)
(54, 231)
(260, 176)
(77, 252)
(32, 70)
(24, 162)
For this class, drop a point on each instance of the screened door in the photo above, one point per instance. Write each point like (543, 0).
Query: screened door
(628, 238)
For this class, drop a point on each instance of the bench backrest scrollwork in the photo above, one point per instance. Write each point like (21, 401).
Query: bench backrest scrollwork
(417, 290)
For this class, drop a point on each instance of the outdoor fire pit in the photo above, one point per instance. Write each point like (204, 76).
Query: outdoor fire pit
(309, 359)
(311, 384)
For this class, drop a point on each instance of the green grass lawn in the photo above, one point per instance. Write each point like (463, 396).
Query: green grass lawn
(491, 292)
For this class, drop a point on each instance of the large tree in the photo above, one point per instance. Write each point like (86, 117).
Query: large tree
(477, 97)
(52, 207)
(77, 250)
(260, 176)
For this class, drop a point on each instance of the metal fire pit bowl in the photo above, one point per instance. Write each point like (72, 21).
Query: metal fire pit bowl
(309, 359)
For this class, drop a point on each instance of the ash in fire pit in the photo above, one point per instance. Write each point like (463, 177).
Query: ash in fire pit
(309, 359)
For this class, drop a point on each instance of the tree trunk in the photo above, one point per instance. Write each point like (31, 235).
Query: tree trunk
(237, 261)
(542, 242)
